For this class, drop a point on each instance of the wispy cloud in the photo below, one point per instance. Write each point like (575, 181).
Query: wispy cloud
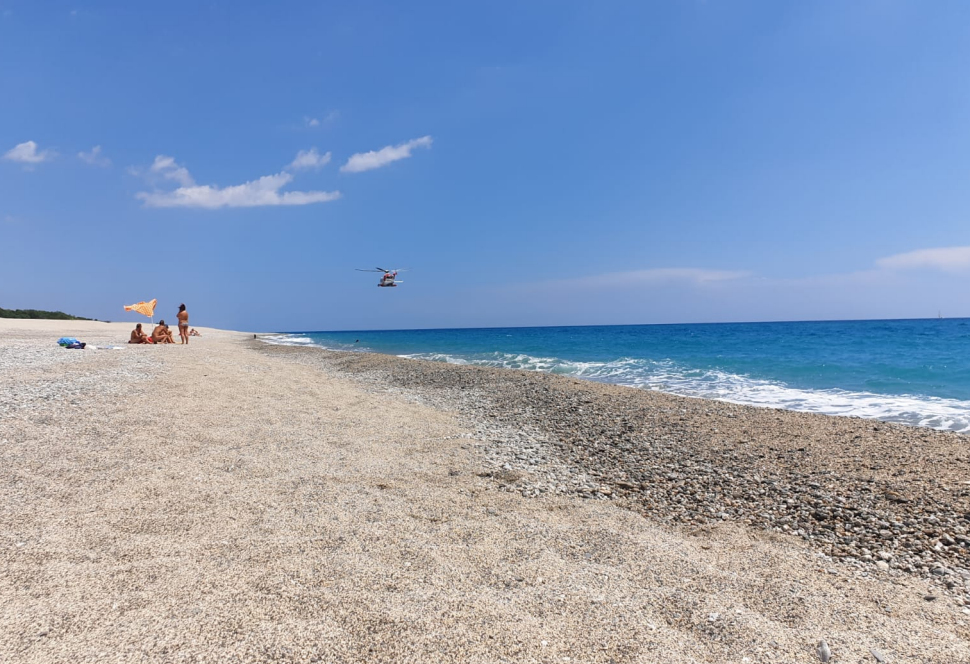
(325, 120)
(94, 157)
(309, 159)
(27, 153)
(264, 191)
(947, 259)
(656, 275)
(166, 167)
(366, 161)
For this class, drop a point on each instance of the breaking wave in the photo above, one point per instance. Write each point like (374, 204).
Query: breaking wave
(304, 340)
(675, 378)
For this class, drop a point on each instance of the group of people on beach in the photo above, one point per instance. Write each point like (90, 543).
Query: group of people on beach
(162, 334)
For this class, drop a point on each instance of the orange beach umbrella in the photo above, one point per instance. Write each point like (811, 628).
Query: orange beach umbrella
(144, 308)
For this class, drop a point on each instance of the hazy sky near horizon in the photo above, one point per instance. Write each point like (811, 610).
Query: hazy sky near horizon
(532, 163)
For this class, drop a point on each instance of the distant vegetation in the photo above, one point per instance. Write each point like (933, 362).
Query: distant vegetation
(36, 313)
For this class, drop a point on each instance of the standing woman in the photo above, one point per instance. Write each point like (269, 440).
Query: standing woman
(183, 317)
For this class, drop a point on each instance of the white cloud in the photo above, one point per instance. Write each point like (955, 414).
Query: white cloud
(948, 259)
(27, 153)
(255, 193)
(328, 119)
(309, 159)
(168, 169)
(94, 157)
(365, 161)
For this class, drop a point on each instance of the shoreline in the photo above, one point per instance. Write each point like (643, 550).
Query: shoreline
(224, 502)
(867, 492)
(940, 413)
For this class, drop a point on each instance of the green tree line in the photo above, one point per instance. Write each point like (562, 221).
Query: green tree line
(37, 313)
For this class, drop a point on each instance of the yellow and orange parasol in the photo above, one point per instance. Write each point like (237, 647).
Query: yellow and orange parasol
(144, 308)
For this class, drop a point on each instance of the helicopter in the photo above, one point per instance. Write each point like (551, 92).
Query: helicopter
(388, 279)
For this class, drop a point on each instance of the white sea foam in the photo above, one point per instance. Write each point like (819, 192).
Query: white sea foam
(304, 340)
(925, 411)
(288, 340)
(668, 376)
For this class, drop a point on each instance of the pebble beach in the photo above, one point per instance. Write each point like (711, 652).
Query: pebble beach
(232, 500)
(863, 491)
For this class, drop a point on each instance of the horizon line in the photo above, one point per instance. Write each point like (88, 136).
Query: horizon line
(524, 327)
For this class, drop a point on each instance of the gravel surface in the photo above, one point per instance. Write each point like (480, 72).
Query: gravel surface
(864, 493)
(223, 502)
(860, 490)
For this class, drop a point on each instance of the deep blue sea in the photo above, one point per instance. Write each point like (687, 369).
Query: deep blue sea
(911, 371)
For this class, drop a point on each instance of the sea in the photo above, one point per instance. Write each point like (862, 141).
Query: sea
(914, 372)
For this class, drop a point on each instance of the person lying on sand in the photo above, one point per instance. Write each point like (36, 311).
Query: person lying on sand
(194, 333)
(161, 334)
(138, 336)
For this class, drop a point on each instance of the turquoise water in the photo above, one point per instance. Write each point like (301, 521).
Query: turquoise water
(910, 371)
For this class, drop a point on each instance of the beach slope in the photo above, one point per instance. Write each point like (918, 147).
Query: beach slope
(228, 501)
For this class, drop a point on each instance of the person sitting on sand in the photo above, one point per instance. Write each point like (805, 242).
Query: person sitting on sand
(161, 334)
(138, 336)
(194, 333)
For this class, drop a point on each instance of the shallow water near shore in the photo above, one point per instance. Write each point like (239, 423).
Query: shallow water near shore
(913, 372)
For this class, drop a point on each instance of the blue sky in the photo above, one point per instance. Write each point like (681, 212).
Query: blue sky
(532, 163)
